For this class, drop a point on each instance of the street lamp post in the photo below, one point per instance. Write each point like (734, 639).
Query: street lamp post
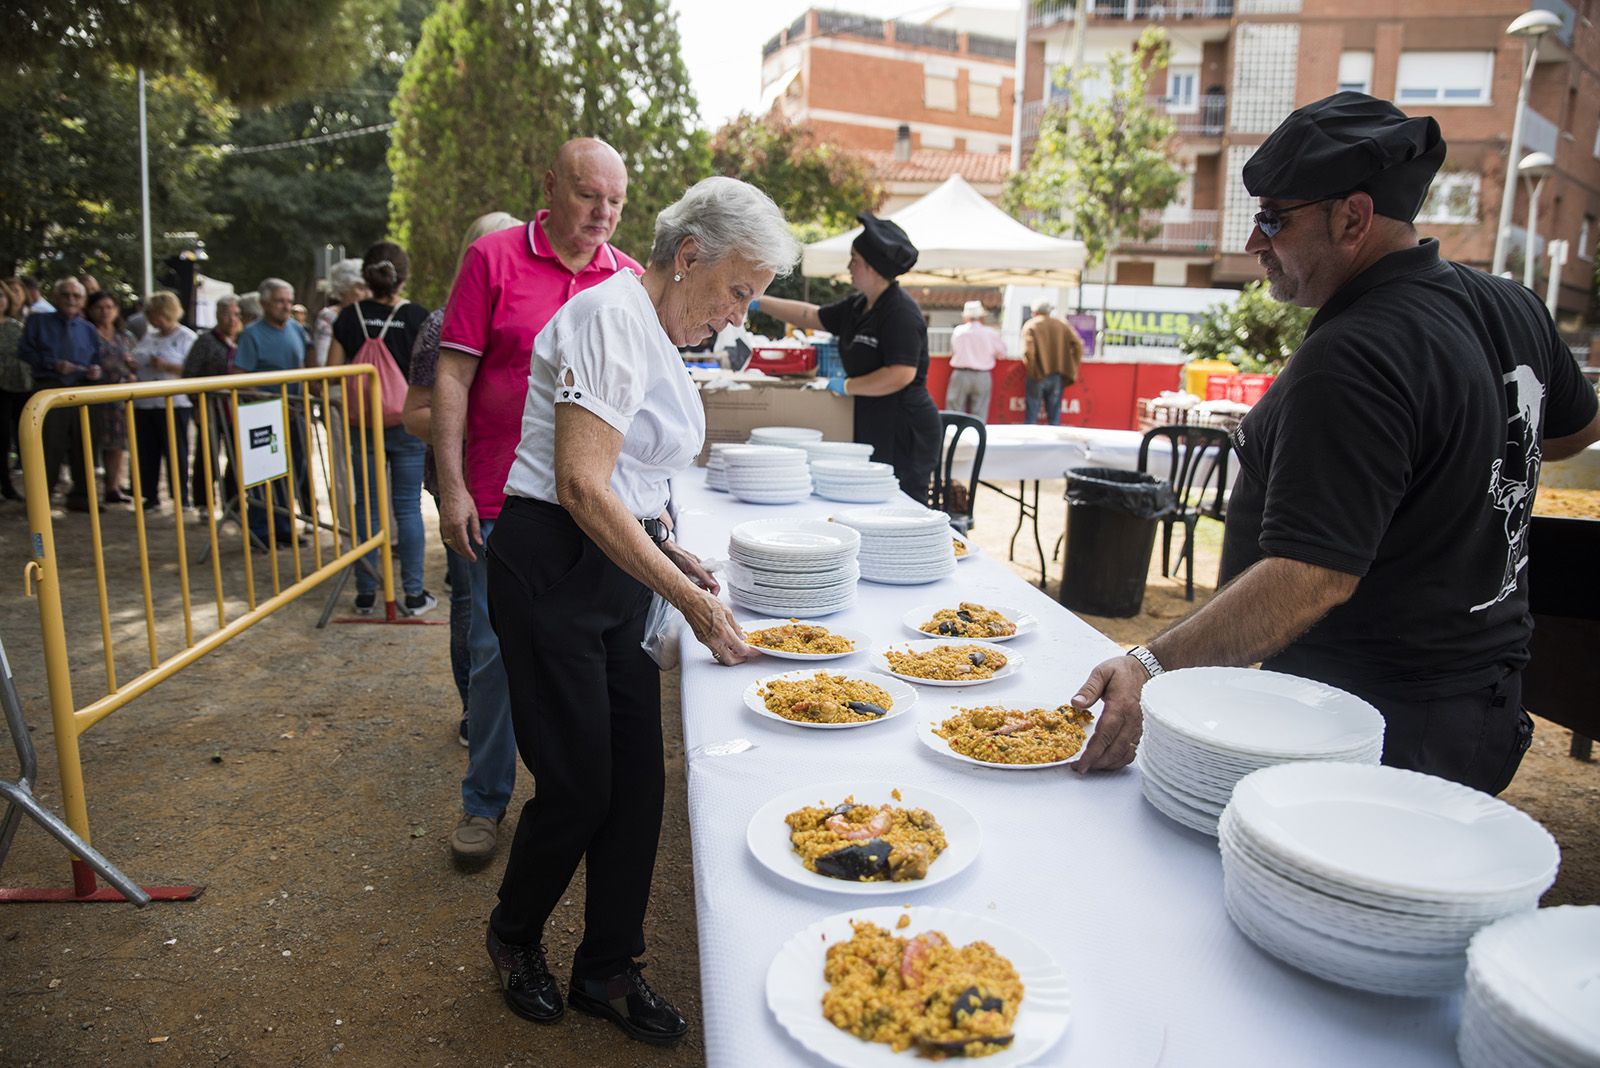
(1530, 26)
(1534, 168)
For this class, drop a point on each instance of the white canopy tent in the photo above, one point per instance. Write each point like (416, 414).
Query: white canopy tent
(962, 239)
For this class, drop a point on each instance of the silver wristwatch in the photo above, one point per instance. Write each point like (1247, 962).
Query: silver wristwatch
(1147, 660)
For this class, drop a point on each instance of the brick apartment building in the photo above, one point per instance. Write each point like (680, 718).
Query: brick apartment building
(856, 80)
(1239, 66)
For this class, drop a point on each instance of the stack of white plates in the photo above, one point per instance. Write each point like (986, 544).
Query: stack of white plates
(1532, 995)
(792, 437)
(1207, 728)
(717, 466)
(836, 450)
(902, 545)
(853, 481)
(801, 568)
(767, 474)
(1375, 877)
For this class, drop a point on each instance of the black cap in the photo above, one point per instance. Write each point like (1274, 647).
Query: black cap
(1350, 143)
(884, 246)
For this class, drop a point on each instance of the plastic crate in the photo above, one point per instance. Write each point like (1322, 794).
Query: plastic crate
(828, 362)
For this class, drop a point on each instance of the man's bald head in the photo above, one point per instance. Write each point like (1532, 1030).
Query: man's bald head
(586, 188)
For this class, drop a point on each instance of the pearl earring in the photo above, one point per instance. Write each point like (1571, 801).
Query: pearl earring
(677, 277)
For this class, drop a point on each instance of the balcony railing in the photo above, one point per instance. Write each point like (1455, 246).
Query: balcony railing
(1206, 117)
(1181, 230)
(1053, 11)
(1033, 117)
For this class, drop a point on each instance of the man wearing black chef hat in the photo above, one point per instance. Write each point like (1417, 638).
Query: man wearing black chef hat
(1377, 534)
(883, 345)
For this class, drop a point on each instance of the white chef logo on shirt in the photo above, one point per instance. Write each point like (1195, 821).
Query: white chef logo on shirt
(867, 340)
(1514, 477)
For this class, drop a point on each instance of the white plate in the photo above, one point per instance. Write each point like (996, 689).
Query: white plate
(804, 538)
(903, 519)
(972, 546)
(795, 987)
(1026, 623)
(881, 662)
(786, 433)
(768, 835)
(1261, 712)
(858, 637)
(1398, 831)
(1542, 969)
(927, 735)
(901, 696)
(850, 469)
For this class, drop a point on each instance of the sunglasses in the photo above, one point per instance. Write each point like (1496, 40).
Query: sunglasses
(1270, 220)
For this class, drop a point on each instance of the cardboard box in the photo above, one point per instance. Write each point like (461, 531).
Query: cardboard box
(732, 414)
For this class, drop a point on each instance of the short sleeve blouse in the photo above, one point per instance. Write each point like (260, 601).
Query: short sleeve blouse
(605, 351)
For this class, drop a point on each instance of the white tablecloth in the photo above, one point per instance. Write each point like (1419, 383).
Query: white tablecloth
(1129, 903)
(1017, 453)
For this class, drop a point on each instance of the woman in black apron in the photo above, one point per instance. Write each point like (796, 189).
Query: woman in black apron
(883, 344)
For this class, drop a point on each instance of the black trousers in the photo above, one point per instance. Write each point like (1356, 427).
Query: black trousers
(586, 707)
(150, 426)
(62, 438)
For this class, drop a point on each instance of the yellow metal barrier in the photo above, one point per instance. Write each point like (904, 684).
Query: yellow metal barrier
(312, 412)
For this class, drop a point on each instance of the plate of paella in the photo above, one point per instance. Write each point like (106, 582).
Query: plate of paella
(946, 662)
(1009, 735)
(969, 619)
(888, 985)
(864, 838)
(799, 639)
(829, 700)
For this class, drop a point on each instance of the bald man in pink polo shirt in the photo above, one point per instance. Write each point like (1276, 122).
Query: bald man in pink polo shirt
(510, 284)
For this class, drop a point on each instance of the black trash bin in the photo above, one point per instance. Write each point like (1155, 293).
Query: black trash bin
(1111, 529)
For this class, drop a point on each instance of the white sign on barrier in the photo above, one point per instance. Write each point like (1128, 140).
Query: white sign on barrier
(263, 450)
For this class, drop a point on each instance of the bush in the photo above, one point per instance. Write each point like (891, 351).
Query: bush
(1255, 333)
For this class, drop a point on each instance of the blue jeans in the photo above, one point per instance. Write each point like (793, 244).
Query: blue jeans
(492, 742)
(1046, 390)
(403, 456)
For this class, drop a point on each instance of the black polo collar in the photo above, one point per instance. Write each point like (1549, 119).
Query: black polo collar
(1391, 268)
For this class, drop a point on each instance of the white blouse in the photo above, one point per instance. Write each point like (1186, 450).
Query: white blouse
(172, 348)
(606, 352)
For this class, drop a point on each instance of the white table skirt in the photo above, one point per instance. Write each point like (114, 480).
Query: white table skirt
(1129, 903)
(1015, 453)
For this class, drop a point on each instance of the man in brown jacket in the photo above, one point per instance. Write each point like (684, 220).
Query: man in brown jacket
(1051, 352)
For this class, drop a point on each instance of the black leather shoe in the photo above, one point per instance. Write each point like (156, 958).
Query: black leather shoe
(525, 980)
(627, 1001)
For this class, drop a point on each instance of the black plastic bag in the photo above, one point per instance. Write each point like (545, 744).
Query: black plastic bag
(1144, 496)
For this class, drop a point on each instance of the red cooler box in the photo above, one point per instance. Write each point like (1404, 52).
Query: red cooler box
(783, 361)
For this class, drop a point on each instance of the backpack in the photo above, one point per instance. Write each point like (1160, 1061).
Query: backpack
(373, 351)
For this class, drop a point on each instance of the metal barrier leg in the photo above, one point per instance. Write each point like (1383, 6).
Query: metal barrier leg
(21, 799)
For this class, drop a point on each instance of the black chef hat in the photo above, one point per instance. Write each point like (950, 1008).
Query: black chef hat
(1349, 143)
(884, 246)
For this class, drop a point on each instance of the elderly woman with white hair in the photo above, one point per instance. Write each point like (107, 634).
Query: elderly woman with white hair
(345, 286)
(581, 544)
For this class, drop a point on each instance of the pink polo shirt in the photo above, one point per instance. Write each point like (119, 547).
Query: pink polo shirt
(975, 347)
(511, 283)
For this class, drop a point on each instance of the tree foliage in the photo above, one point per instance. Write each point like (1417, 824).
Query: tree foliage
(1257, 333)
(813, 182)
(70, 171)
(494, 89)
(1100, 162)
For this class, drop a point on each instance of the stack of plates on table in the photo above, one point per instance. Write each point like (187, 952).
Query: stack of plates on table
(1376, 877)
(1207, 728)
(854, 481)
(792, 437)
(836, 450)
(1532, 995)
(767, 474)
(717, 467)
(902, 545)
(802, 568)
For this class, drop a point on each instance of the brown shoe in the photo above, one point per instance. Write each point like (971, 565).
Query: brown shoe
(474, 839)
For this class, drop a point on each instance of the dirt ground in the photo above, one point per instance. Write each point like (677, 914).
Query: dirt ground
(309, 779)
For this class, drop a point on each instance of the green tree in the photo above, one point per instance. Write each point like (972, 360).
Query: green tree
(812, 181)
(1100, 163)
(494, 89)
(1256, 332)
(71, 169)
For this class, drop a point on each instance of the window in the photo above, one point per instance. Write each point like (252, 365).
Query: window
(1586, 232)
(1444, 78)
(939, 86)
(1182, 92)
(1453, 198)
(983, 100)
(1355, 72)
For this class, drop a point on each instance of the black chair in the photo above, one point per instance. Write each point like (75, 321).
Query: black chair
(1198, 458)
(942, 498)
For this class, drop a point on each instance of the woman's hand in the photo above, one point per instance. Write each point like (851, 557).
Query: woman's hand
(716, 629)
(690, 565)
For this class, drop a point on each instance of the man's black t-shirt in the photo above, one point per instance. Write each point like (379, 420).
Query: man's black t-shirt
(369, 314)
(1402, 444)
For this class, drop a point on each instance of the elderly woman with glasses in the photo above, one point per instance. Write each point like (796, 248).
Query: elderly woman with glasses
(573, 560)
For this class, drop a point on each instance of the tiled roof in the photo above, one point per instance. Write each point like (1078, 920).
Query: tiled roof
(931, 165)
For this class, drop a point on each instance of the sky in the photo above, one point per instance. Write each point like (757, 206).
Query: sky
(722, 42)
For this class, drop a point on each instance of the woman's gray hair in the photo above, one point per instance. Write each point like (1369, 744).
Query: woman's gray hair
(343, 277)
(726, 217)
